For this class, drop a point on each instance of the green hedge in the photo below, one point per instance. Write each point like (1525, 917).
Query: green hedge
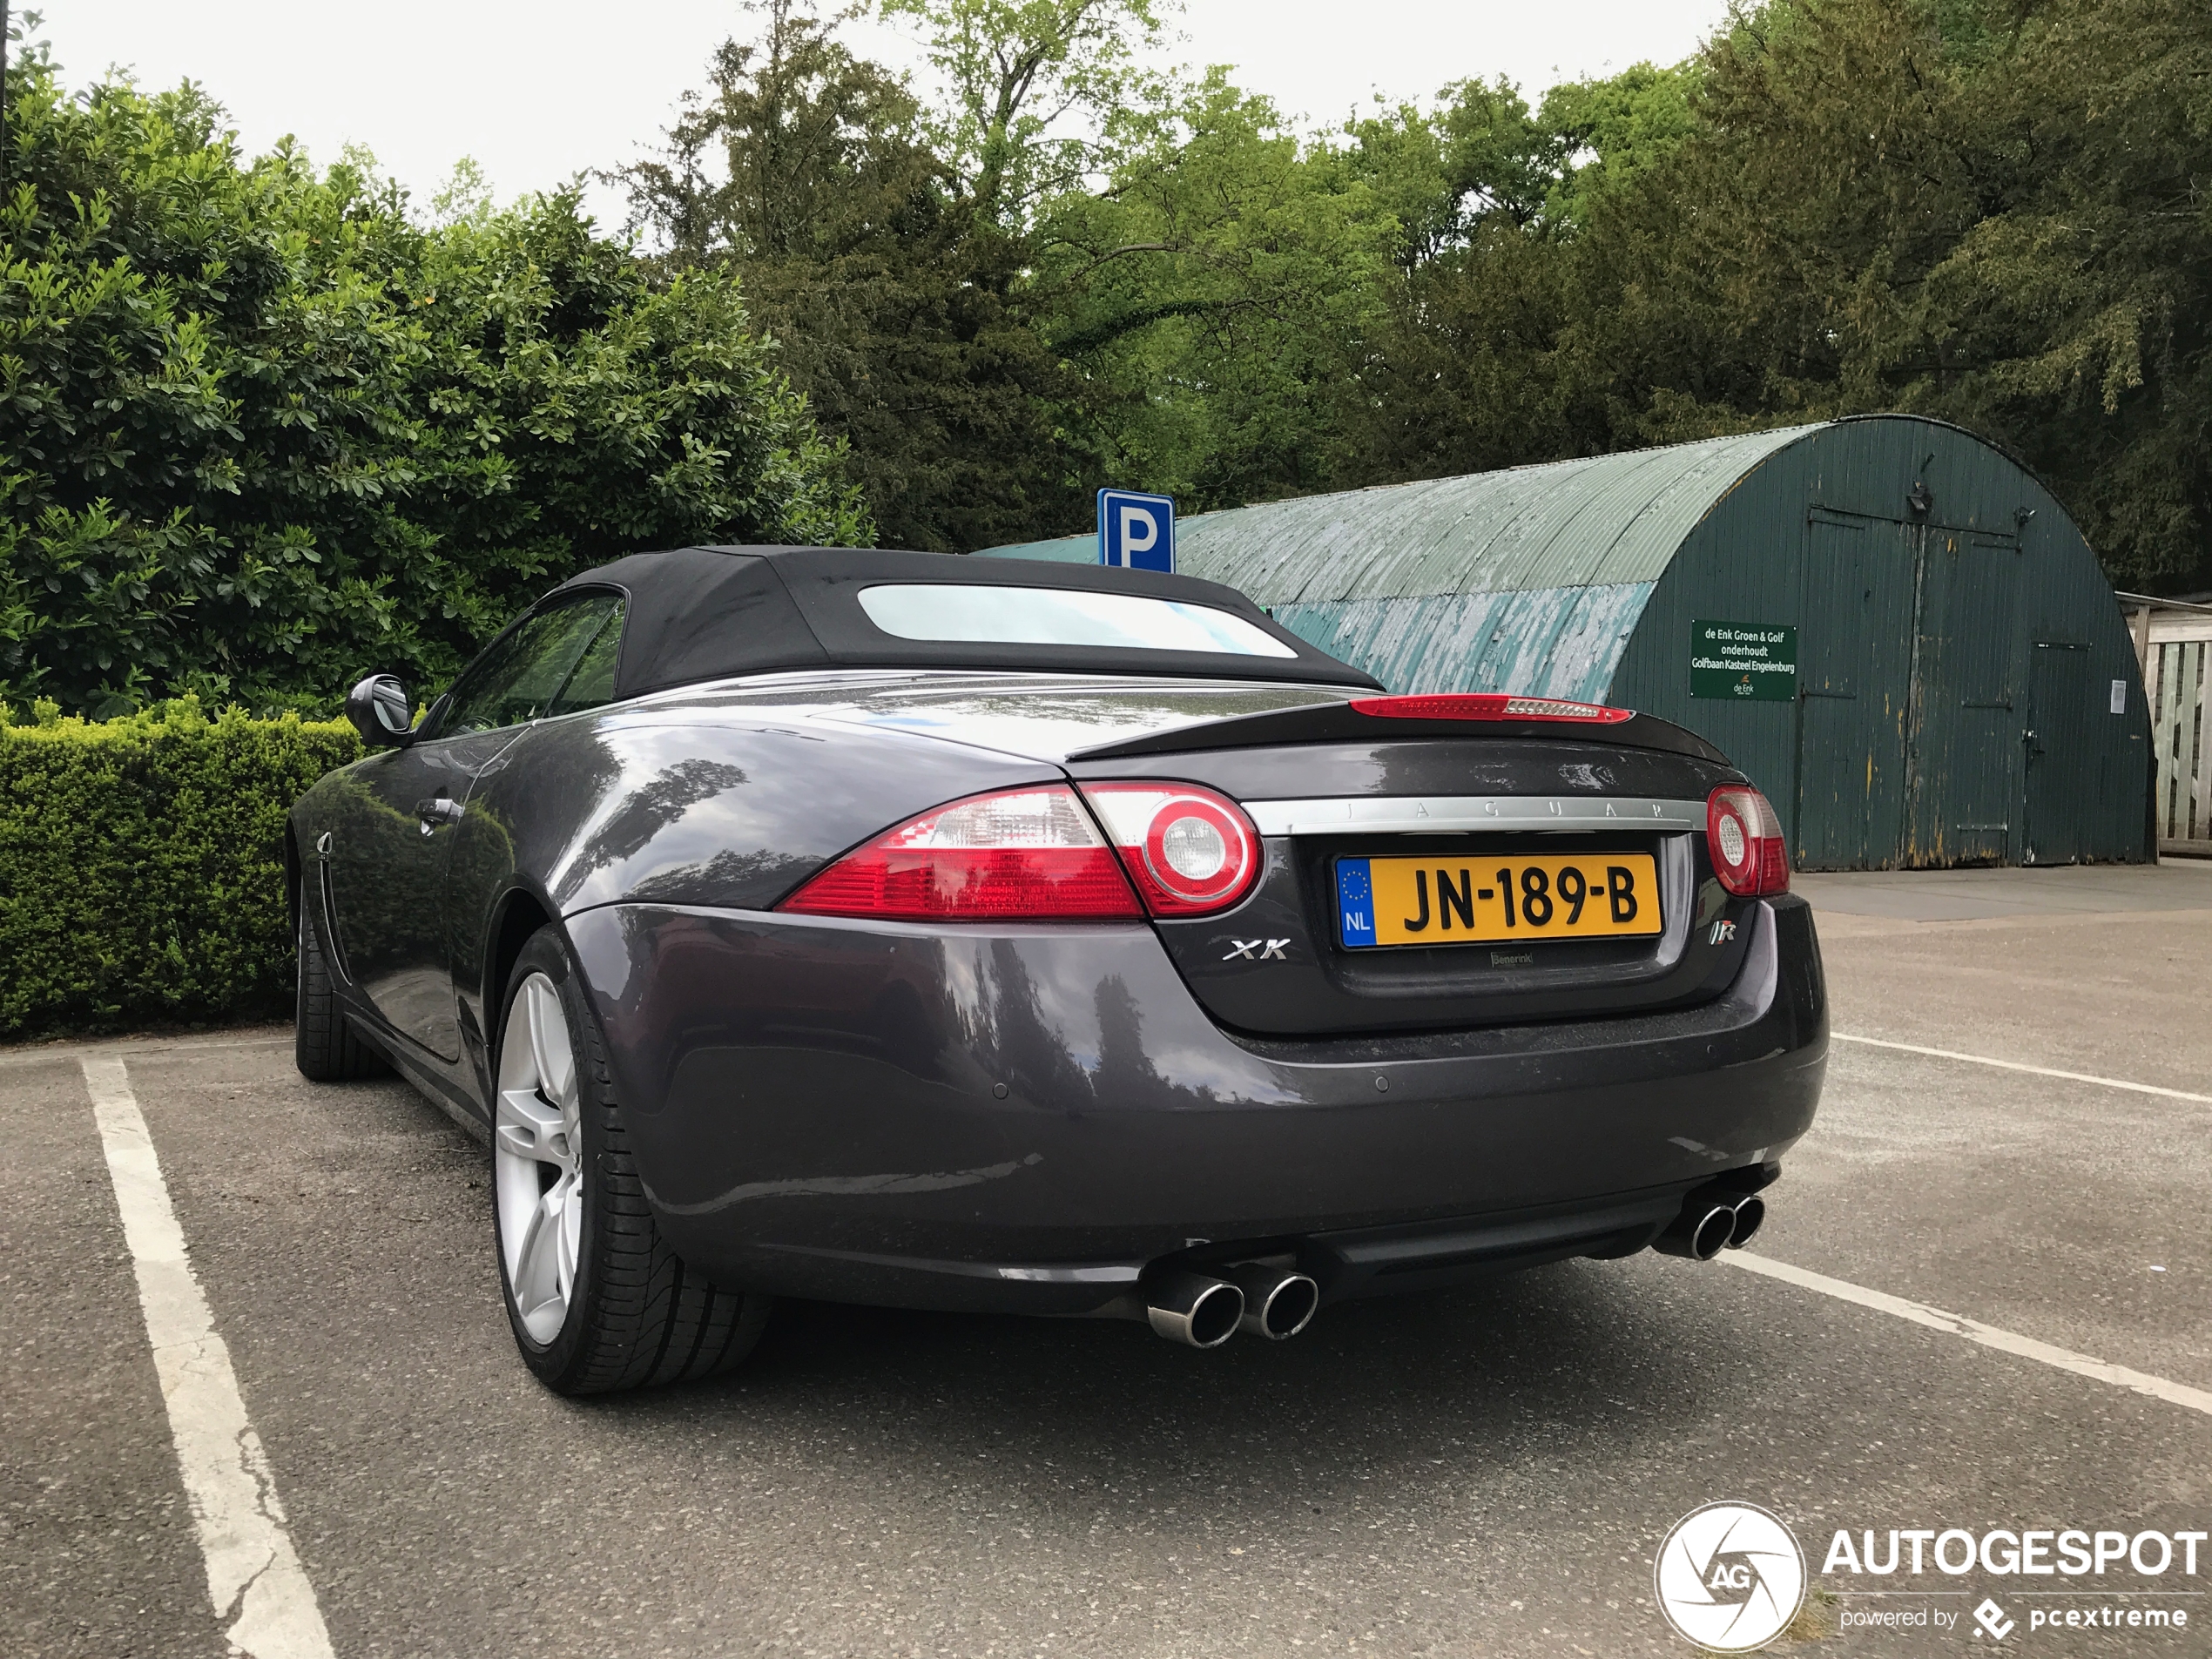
(142, 865)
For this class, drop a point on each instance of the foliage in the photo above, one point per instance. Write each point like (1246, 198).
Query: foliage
(258, 431)
(1034, 85)
(1987, 210)
(142, 863)
(1257, 315)
(1486, 358)
(810, 177)
(1212, 293)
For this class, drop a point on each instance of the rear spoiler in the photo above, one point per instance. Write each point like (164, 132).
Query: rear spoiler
(1346, 723)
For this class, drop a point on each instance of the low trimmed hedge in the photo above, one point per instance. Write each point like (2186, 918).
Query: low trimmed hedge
(142, 865)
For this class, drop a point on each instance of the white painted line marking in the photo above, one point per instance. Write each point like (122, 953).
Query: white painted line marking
(1989, 1336)
(45, 1054)
(2014, 1065)
(253, 1575)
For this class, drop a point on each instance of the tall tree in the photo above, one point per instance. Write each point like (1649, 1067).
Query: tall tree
(811, 175)
(1034, 85)
(1992, 211)
(1215, 291)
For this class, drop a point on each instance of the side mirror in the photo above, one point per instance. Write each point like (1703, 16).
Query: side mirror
(379, 709)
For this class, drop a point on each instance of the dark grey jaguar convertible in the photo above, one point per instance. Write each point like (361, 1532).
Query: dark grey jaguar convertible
(973, 934)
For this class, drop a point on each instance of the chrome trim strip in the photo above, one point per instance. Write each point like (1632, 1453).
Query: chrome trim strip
(1434, 814)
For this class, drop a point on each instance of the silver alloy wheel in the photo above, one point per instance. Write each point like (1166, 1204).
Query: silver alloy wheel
(537, 1157)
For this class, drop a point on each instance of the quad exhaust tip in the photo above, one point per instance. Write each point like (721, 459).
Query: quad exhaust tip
(1194, 1309)
(1279, 1302)
(1202, 1311)
(1751, 1216)
(1710, 1223)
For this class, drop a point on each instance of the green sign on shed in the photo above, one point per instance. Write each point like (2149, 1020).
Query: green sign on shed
(1743, 660)
(1940, 643)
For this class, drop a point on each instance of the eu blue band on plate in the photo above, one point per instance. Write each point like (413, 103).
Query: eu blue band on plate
(1355, 902)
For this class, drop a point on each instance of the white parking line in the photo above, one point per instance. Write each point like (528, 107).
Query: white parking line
(253, 1574)
(2014, 1065)
(44, 1054)
(1989, 1336)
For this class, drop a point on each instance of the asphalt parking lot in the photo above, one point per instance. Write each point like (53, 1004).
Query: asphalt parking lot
(1483, 1473)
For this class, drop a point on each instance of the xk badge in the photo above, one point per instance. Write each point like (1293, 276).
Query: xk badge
(1256, 950)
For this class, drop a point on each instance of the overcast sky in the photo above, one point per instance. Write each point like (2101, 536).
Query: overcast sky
(539, 91)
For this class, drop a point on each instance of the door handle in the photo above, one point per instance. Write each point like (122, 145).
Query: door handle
(436, 811)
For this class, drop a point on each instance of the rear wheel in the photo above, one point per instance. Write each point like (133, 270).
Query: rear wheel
(324, 1046)
(597, 1300)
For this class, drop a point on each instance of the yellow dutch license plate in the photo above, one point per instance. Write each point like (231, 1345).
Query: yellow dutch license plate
(1492, 900)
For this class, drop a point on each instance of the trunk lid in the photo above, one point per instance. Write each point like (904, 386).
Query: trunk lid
(1458, 802)
(1467, 818)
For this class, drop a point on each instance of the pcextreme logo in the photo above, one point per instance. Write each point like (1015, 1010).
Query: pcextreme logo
(1730, 1577)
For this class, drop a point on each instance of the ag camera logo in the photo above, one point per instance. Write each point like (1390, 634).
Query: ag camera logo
(1730, 1577)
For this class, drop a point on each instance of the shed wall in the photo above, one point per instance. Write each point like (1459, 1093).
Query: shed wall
(1929, 652)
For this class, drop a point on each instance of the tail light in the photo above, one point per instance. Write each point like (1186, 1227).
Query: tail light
(1487, 705)
(1190, 851)
(1744, 837)
(1019, 855)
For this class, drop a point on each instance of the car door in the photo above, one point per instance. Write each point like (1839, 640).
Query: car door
(390, 848)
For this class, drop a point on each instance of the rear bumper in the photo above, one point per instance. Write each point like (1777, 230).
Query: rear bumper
(1024, 1118)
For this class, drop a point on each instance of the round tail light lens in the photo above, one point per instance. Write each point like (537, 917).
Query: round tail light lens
(1189, 850)
(1744, 835)
(1192, 847)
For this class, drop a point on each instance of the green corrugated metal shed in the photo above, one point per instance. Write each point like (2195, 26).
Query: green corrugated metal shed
(1966, 691)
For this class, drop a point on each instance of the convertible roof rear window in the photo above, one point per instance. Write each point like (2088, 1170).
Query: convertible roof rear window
(707, 613)
(1056, 617)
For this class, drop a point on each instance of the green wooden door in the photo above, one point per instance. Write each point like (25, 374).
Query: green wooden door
(2062, 712)
(1855, 652)
(1963, 744)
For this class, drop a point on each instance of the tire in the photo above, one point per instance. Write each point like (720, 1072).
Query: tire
(605, 1303)
(325, 1046)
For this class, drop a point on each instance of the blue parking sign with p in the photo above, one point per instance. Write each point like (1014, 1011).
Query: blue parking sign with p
(1135, 531)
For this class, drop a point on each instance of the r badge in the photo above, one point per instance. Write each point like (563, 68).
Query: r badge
(1722, 932)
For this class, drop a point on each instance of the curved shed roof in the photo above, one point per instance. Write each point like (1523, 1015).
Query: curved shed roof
(1529, 579)
(1602, 520)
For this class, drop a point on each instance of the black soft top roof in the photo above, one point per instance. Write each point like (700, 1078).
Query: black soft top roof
(702, 613)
